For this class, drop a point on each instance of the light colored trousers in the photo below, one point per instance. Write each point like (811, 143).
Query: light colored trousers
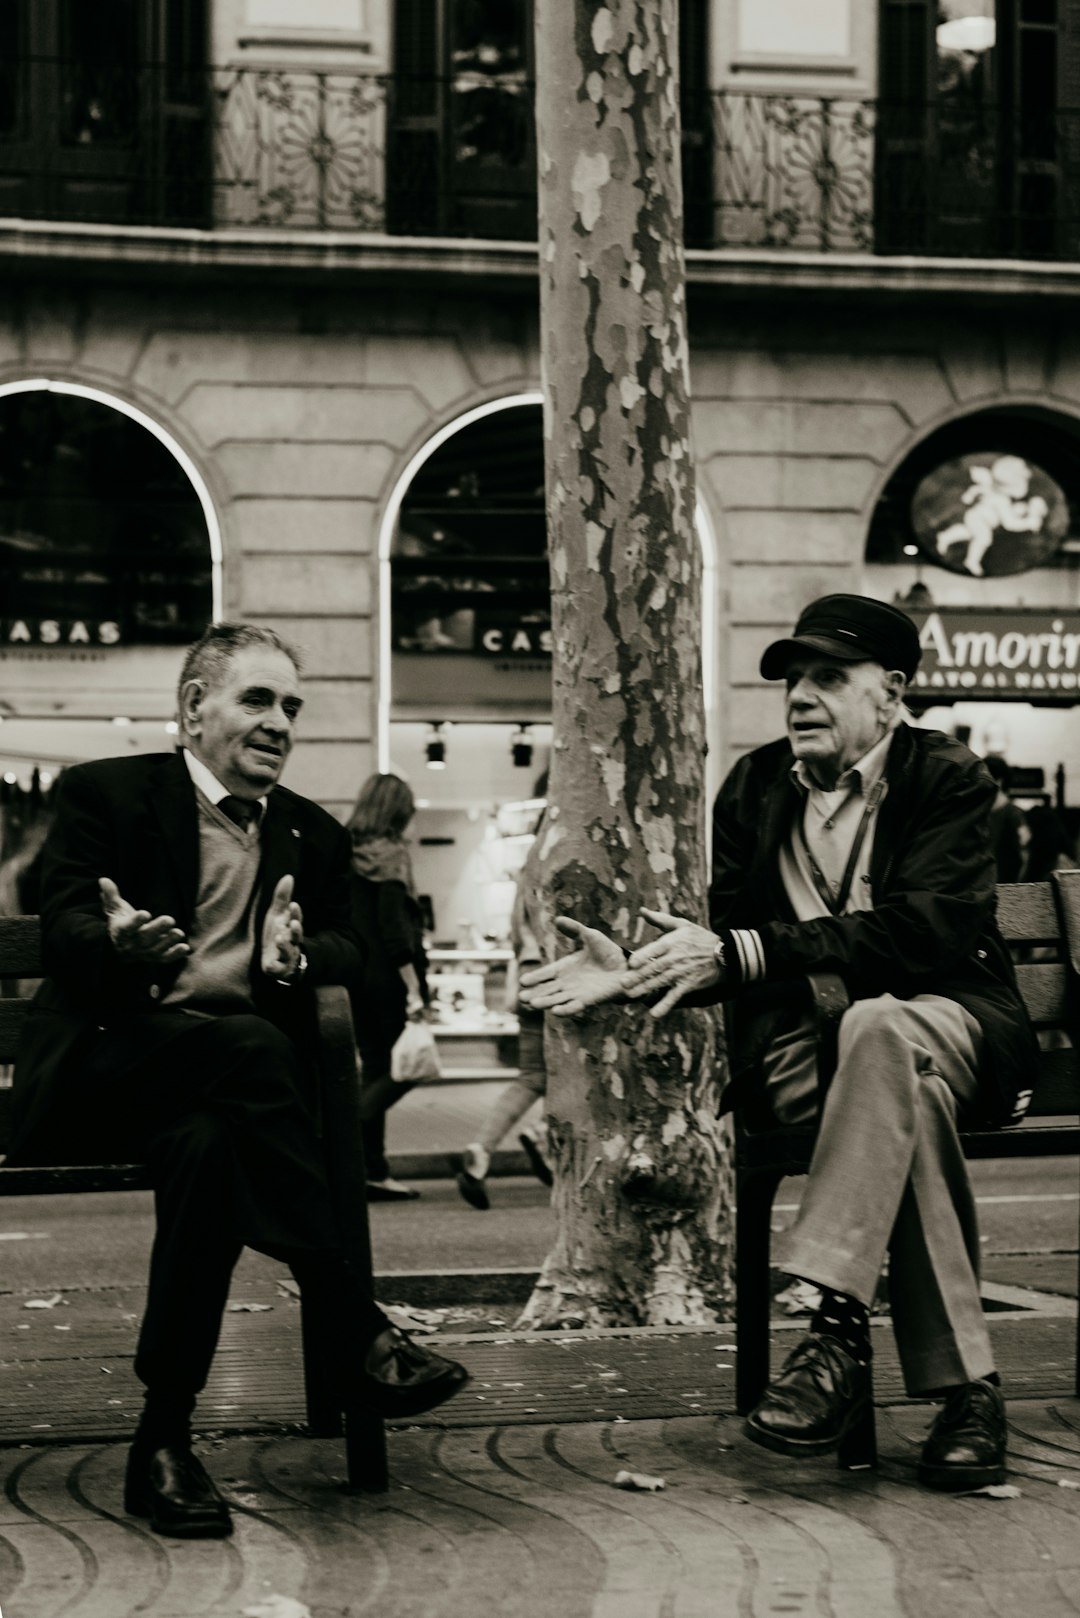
(888, 1175)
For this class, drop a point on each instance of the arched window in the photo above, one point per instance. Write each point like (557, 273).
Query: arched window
(108, 552)
(471, 608)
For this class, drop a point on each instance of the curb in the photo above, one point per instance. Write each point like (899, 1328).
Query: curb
(437, 1289)
(444, 1165)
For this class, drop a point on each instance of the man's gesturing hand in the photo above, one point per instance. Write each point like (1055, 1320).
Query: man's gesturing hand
(136, 934)
(682, 960)
(282, 931)
(570, 985)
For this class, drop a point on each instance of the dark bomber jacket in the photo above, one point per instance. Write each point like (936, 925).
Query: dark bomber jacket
(932, 928)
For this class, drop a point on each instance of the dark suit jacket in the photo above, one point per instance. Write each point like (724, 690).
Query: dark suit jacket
(135, 820)
(932, 928)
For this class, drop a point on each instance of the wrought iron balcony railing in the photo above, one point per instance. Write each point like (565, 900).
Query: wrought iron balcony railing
(456, 157)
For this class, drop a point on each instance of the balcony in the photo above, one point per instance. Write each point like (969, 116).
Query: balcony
(367, 153)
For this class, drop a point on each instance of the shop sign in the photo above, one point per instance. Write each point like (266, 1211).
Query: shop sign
(1016, 653)
(514, 637)
(989, 515)
(59, 632)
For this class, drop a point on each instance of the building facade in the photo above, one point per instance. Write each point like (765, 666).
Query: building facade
(286, 254)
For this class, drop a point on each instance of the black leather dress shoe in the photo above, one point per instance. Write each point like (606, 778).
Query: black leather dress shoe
(966, 1446)
(399, 1378)
(171, 1487)
(820, 1392)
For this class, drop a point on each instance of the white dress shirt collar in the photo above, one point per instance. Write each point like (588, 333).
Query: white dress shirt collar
(209, 785)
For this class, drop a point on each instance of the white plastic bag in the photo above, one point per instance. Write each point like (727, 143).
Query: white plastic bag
(415, 1056)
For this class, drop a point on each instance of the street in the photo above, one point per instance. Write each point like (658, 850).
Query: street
(1028, 1211)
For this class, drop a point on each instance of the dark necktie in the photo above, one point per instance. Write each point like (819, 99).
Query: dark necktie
(239, 810)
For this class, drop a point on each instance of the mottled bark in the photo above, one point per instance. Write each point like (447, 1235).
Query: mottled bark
(643, 1193)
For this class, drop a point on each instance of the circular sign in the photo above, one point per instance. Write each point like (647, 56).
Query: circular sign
(986, 515)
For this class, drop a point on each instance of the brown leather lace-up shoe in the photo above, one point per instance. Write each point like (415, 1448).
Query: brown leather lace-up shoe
(820, 1392)
(966, 1445)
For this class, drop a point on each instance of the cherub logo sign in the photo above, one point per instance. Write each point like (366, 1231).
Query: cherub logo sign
(989, 514)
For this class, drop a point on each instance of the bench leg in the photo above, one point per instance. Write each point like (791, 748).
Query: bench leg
(320, 1382)
(755, 1191)
(365, 1450)
(858, 1447)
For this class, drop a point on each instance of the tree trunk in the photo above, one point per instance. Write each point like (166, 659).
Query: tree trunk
(642, 1192)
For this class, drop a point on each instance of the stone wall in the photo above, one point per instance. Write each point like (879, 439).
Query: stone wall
(300, 411)
(800, 418)
(303, 408)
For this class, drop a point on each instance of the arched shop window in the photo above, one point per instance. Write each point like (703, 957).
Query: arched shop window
(106, 569)
(977, 535)
(471, 608)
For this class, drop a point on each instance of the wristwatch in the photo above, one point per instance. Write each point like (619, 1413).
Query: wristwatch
(297, 974)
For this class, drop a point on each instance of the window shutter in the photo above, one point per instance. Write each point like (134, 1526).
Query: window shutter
(416, 118)
(905, 125)
(181, 93)
(1068, 122)
(696, 113)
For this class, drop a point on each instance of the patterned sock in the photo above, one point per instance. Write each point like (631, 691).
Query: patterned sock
(847, 1320)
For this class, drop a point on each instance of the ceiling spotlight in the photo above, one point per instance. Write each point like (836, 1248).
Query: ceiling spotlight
(436, 748)
(521, 749)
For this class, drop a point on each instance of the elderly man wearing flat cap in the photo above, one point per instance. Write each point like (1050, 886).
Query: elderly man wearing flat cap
(857, 845)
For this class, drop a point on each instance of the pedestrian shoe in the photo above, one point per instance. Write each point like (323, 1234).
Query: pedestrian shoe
(966, 1445)
(170, 1485)
(537, 1162)
(819, 1395)
(390, 1190)
(475, 1162)
(399, 1378)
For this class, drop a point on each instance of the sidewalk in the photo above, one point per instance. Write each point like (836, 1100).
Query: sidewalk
(503, 1504)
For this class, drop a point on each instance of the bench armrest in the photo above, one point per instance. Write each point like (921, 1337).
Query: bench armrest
(343, 1146)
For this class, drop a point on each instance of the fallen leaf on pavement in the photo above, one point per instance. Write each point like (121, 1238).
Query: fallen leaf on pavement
(1067, 1483)
(44, 1303)
(249, 1308)
(414, 1319)
(638, 1480)
(997, 1491)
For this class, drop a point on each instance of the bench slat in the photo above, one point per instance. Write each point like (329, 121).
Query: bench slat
(1044, 988)
(1057, 1087)
(12, 1016)
(1027, 914)
(20, 947)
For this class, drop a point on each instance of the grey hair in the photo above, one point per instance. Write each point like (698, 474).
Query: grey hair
(210, 656)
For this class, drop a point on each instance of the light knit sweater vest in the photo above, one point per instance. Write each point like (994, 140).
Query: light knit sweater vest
(215, 977)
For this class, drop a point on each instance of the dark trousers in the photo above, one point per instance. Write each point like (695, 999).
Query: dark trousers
(223, 1111)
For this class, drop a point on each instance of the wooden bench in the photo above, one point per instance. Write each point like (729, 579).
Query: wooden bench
(1039, 916)
(365, 1435)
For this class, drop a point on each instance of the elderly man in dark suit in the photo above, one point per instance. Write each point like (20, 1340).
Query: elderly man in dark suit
(189, 906)
(859, 845)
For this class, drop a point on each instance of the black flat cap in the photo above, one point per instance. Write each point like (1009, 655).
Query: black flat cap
(855, 629)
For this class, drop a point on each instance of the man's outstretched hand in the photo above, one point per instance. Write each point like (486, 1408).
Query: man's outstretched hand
(682, 960)
(282, 931)
(135, 934)
(592, 976)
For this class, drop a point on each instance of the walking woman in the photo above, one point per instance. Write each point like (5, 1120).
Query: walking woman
(393, 988)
